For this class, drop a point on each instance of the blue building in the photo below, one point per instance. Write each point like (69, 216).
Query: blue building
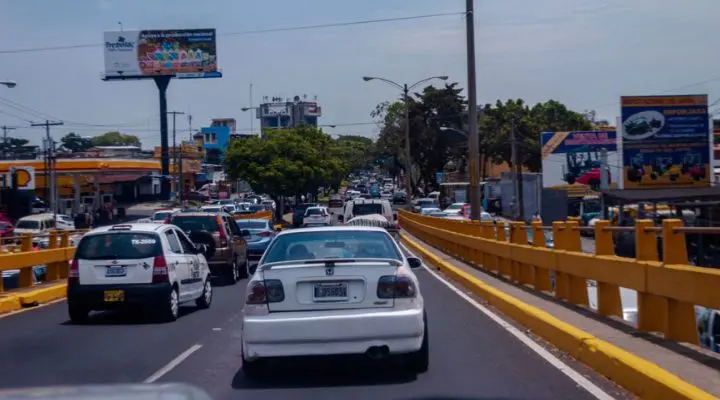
(215, 139)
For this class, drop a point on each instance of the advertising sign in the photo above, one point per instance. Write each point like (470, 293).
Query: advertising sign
(312, 110)
(574, 157)
(25, 177)
(275, 109)
(439, 178)
(666, 141)
(182, 53)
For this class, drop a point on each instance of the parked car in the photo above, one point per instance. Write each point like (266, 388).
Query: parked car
(349, 286)
(228, 254)
(148, 265)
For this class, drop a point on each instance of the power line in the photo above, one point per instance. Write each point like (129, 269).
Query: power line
(251, 32)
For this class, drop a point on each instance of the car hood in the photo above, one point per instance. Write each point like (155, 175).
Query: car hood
(178, 391)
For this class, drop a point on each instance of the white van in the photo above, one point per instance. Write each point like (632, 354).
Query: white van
(35, 224)
(358, 207)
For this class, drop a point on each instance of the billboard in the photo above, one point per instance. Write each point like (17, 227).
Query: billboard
(574, 157)
(182, 53)
(312, 110)
(25, 177)
(275, 109)
(666, 141)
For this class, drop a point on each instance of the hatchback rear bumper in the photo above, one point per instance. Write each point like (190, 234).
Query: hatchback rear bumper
(92, 297)
(338, 332)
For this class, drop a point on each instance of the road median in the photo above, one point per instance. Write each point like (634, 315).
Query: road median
(636, 374)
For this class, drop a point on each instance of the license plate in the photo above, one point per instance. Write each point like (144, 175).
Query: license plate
(114, 296)
(330, 291)
(114, 271)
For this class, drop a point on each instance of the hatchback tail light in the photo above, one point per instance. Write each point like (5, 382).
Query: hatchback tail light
(221, 233)
(267, 291)
(160, 270)
(74, 274)
(396, 287)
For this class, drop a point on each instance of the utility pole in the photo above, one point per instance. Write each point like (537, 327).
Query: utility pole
(190, 131)
(252, 117)
(604, 181)
(513, 161)
(5, 130)
(473, 134)
(175, 152)
(50, 179)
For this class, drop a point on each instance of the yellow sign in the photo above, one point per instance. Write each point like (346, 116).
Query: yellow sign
(25, 177)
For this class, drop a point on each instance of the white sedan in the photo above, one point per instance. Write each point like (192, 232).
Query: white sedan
(334, 291)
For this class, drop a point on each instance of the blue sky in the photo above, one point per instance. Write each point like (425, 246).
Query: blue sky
(585, 53)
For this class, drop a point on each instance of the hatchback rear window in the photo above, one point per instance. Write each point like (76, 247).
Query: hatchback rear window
(252, 224)
(119, 246)
(195, 222)
(332, 245)
(159, 216)
(366, 209)
(313, 211)
(25, 224)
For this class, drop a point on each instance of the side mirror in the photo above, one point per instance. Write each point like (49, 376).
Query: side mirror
(414, 262)
(245, 233)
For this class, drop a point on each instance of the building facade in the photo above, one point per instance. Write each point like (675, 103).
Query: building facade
(278, 113)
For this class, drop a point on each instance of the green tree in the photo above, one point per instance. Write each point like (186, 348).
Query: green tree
(286, 162)
(74, 143)
(357, 152)
(16, 148)
(115, 138)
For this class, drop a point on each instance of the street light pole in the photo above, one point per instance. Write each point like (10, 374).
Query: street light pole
(473, 134)
(9, 84)
(406, 99)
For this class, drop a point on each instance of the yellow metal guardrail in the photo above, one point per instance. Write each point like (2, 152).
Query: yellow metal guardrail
(667, 291)
(24, 258)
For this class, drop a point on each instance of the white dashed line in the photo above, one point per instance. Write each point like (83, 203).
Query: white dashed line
(172, 364)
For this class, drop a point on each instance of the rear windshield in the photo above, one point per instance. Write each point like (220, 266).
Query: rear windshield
(332, 245)
(300, 208)
(119, 245)
(25, 224)
(366, 208)
(426, 202)
(195, 222)
(252, 224)
(158, 216)
(313, 211)
(257, 207)
(211, 209)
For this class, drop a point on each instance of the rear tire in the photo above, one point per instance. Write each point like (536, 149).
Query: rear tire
(78, 315)
(232, 275)
(204, 301)
(244, 269)
(170, 311)
(419, 361)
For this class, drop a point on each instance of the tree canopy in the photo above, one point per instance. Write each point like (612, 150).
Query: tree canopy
(115, 138)
(287, 162)
(438, 130)
(74, 143)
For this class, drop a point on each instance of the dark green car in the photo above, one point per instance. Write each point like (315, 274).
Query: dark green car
(299, 213)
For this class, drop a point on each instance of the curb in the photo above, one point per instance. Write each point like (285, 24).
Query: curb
(16, 301)
(638, 375)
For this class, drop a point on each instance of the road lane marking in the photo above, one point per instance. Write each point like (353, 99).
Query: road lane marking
(575, 376)
(172, 364)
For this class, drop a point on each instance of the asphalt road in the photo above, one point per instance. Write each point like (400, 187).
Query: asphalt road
(472, 357)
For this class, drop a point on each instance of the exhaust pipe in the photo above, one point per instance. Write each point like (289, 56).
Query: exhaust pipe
(377, 352)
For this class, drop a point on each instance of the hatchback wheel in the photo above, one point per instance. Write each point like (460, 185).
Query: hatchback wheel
(171, 309)
(78, 315)
(205, 299)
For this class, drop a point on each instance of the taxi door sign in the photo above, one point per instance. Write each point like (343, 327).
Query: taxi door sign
(25, 177)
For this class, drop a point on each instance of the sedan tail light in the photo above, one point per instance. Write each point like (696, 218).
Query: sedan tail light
(267, 291)
(74, 275)
(265, 234)
(396, 287)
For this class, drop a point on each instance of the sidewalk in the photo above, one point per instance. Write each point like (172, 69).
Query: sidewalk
(692, 364)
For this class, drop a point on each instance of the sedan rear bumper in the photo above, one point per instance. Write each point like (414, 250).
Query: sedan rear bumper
(340, 332)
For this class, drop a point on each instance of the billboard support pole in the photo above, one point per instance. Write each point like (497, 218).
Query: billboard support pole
(603, 181)
(162, 83)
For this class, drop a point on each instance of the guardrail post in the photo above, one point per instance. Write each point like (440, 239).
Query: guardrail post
(562, 281)
(541, 276)
(490, 261)
(26, 274)
(681, 315)
(53, 272)
(578, 286)
(64, 268)
(652, 309)
(505, 264)
(608, 295)
(520, 272)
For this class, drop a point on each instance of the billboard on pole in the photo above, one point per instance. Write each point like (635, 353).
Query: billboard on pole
(574, 157)
(181, 53)
(666, 141)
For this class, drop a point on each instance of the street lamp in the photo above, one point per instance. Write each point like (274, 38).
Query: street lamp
(10, 84)
(406, 98)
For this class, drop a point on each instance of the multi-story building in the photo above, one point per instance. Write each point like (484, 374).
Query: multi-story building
(277, 112)
(215, 139)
